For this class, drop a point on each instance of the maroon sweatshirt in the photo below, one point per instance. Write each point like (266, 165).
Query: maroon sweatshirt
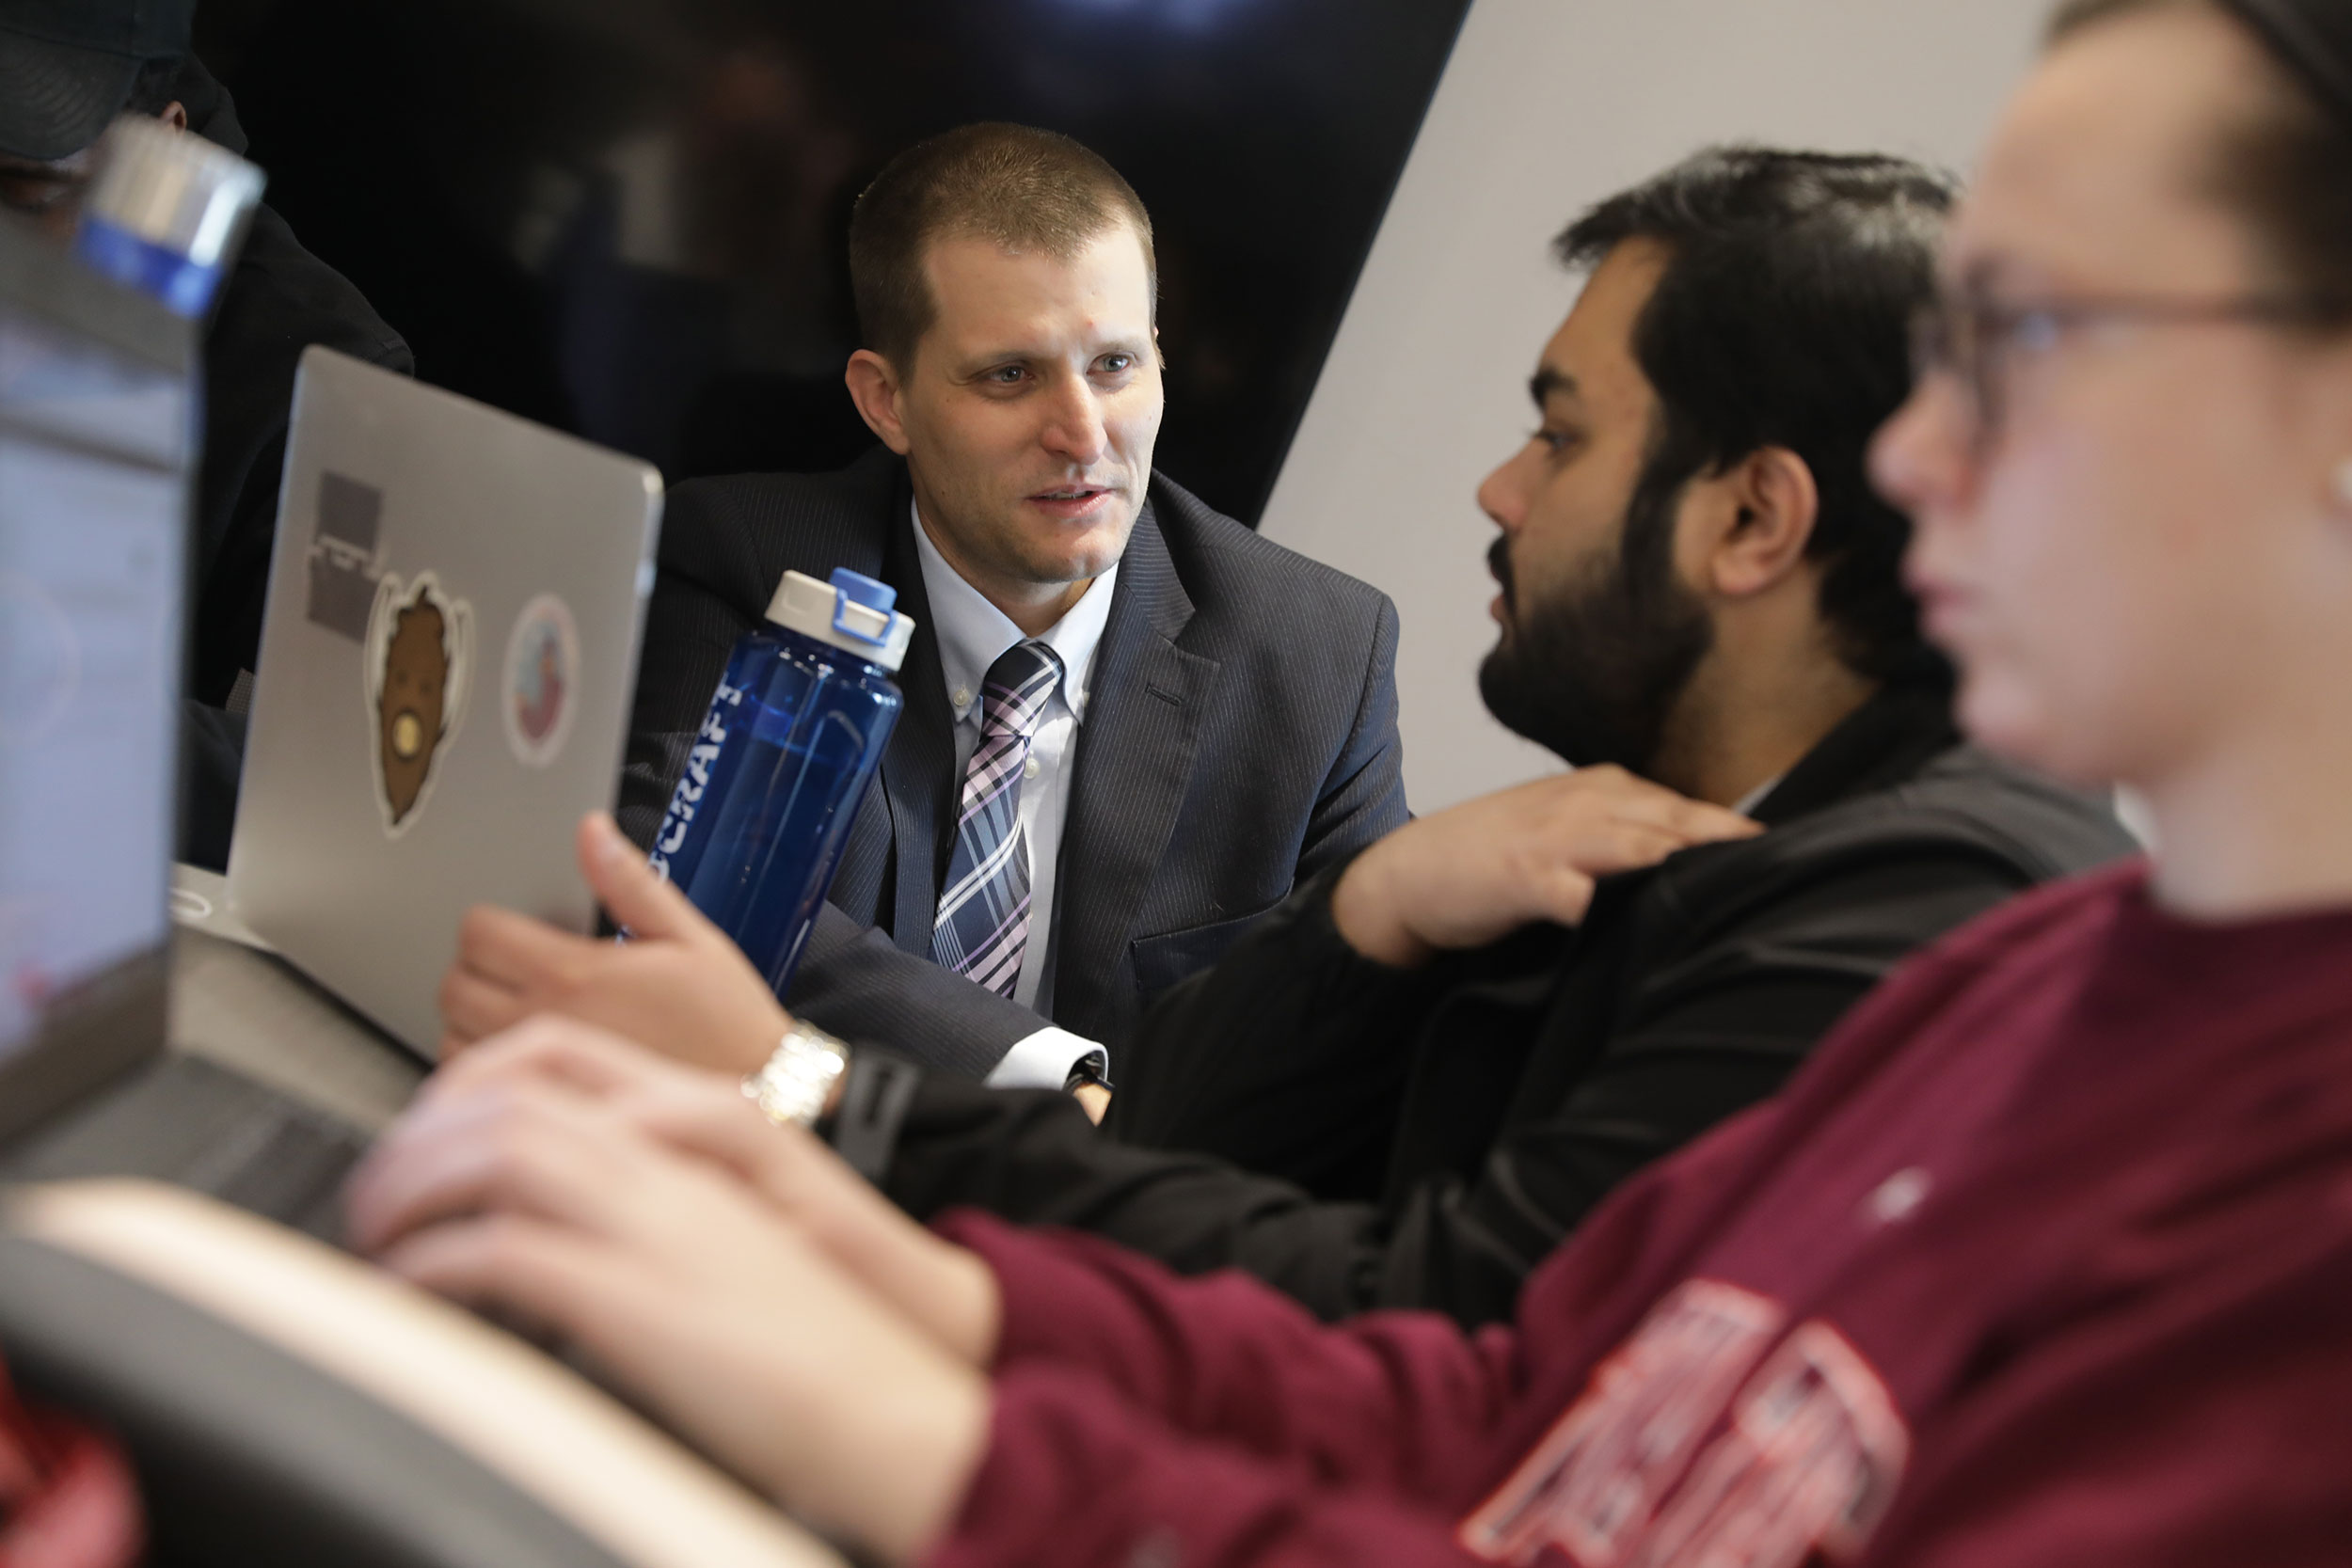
(2045, 1260)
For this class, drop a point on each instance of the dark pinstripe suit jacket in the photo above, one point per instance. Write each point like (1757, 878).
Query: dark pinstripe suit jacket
(1239, 735)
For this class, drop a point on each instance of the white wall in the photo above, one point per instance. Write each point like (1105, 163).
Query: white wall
(1545, 108)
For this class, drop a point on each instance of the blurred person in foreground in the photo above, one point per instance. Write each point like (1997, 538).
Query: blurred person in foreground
(72, 71)
(2042, 1261)
(1435, 1060)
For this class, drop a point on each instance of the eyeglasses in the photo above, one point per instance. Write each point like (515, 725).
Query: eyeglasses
(1978, 340)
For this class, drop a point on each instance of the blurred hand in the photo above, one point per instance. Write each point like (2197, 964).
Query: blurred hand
(1094, 1100)
(940, 1288)
(679, 985)
(522, 1186)
(1474, 873)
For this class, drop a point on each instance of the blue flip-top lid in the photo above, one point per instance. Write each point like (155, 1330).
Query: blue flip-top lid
(853, 613)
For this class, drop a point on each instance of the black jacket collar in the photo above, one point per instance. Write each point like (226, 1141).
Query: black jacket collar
(1885, 741)
(1889, 739)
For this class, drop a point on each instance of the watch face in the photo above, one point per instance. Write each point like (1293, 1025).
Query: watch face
(792, 1089)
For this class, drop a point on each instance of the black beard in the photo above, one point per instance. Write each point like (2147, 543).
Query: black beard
(1593, 673)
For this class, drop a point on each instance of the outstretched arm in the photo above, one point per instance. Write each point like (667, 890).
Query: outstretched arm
(1287, 1058)
(515, 1124)
(856, 982)
(755, 1346)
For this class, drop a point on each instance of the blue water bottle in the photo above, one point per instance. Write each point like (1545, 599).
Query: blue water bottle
(795, 731)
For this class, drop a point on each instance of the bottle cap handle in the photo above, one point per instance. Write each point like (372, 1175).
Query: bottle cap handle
(854, 592)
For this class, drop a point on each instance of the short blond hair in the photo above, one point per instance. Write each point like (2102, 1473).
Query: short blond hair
(1021, 187)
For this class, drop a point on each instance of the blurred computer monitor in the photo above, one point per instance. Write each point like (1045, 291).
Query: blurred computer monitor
(98, 441)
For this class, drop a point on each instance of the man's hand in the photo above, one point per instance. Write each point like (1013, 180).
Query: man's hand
(678, 985)
(519, 1183)
(1473, 874)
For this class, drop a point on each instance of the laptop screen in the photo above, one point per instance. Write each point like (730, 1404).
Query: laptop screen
(96, 437)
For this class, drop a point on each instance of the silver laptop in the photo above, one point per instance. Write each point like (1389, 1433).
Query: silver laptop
(445, 670)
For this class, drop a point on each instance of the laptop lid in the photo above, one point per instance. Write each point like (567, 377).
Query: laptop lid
(97, 450)
(448, 659)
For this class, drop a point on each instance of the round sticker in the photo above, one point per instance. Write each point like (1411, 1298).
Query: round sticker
(542, 677)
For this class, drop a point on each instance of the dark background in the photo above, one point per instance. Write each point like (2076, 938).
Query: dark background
(627, 218)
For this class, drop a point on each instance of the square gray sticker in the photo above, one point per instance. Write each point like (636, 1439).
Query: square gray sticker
(343, 563)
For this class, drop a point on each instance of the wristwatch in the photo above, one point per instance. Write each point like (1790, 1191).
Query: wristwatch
(792, 1087)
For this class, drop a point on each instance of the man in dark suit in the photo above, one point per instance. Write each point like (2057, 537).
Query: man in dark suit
(1213, 718)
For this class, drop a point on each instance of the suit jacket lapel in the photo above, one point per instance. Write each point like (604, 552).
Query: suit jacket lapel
(1134, 758)
(918, 766)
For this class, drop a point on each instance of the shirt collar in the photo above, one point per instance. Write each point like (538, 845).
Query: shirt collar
(973, 633)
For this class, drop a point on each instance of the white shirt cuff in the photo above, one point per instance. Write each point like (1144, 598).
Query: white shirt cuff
(1042, 1061)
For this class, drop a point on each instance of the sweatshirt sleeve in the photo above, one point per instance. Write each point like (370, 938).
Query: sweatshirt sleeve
(1076, 1476)
(1401, 1401)
(1152, 1420)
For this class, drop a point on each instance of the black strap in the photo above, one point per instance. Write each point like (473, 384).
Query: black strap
(874, 1101)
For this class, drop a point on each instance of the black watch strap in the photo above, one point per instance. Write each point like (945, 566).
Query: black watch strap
(1092, 1068)
(875, 1095)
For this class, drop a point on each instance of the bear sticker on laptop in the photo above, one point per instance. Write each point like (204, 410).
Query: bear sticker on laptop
(420, 656)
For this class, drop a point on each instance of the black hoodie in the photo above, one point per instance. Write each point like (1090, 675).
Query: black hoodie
(279, 301)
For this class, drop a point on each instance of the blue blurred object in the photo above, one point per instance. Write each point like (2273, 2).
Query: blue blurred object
(795, 731)
(167, 212)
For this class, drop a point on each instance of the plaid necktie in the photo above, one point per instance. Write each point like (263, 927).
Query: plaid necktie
(983, 924)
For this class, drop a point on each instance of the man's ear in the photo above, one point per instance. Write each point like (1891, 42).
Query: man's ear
(175, 115)
(1778, 505)
(874, 387)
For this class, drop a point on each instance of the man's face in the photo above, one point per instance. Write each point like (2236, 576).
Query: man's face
(1596, 643)
(1032, 407)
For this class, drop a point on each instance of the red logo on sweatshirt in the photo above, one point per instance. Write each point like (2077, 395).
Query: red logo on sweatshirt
(1692, 1446)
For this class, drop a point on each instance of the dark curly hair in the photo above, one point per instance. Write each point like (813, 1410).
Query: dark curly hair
(1782, 320)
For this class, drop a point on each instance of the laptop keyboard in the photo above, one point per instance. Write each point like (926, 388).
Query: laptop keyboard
(198, 1125)
(287, 1165)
